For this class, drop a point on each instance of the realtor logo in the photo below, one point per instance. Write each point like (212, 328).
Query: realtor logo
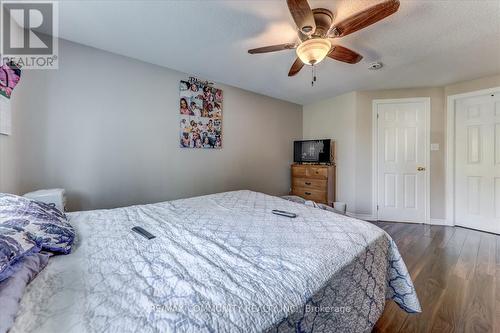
(28, 30)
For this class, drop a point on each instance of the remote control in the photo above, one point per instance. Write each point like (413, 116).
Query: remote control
(141, 231)
(283, 213)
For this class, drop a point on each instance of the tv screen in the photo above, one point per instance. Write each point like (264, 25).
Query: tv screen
(312, 151)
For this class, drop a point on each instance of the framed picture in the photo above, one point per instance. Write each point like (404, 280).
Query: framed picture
(200, 112)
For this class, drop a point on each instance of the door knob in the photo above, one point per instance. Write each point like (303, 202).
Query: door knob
(420, 169)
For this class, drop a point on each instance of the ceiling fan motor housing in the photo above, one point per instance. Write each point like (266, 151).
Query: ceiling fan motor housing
(323, 19)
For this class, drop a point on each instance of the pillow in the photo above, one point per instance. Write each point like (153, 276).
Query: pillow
(45, 224)
(12, 289)
(330, 209)
(298, 199)
(14, 246)
(311, 203)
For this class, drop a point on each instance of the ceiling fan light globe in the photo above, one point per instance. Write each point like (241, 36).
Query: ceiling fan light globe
(312, 51)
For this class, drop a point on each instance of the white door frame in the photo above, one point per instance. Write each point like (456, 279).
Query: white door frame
(450, 148)
(375, 103)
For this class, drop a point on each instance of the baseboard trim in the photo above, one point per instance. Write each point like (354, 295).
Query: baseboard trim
(488, 232)
(441, 222)
(369, 217)
(366, 217)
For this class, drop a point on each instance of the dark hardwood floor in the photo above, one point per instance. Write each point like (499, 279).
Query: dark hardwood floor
(456, 272)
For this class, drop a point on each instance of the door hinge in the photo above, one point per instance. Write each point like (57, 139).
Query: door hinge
(377, 207)
(377, 115)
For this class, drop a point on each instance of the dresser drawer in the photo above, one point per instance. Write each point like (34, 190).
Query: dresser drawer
(309, 171)
(317, 172)
(310, 183)
(299, 171)
(310, 194)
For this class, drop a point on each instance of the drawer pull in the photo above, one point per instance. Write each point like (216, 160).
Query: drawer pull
(308, 183)
(307, 193)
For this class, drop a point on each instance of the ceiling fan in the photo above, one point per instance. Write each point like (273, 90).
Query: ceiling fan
(317, 33)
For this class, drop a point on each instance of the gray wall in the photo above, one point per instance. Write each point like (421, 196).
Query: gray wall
(335, 119)
(105, 128)
(9, 179)
(348, 119)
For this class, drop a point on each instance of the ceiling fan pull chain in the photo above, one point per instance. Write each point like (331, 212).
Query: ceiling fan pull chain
(313, 75)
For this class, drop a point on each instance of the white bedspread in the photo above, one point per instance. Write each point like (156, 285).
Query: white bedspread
(219, 263)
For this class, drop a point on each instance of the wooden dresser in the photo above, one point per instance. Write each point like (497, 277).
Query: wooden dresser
(314, 182)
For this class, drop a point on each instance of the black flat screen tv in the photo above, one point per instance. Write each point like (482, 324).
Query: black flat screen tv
(313, 151)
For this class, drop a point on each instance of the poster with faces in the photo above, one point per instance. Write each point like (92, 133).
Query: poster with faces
(200, 110)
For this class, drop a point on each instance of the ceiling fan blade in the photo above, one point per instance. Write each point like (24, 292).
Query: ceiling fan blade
(343, 54)
(302, 15)
(296, 67)
(364, 18)
(272, 48)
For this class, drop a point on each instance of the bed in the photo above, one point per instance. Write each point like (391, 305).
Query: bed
(219, 263)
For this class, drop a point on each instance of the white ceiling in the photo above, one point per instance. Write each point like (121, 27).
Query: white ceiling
(426, 43)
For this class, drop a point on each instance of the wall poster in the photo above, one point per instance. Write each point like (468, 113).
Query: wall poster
(200, 109)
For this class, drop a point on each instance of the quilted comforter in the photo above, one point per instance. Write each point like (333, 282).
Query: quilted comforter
(219, 263)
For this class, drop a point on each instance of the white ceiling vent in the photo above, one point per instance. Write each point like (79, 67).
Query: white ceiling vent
(375, 65)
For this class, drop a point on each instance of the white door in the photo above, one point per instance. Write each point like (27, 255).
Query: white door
(477, 162)
(402, 140)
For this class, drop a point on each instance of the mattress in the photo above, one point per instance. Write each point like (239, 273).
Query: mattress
(219, 263)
